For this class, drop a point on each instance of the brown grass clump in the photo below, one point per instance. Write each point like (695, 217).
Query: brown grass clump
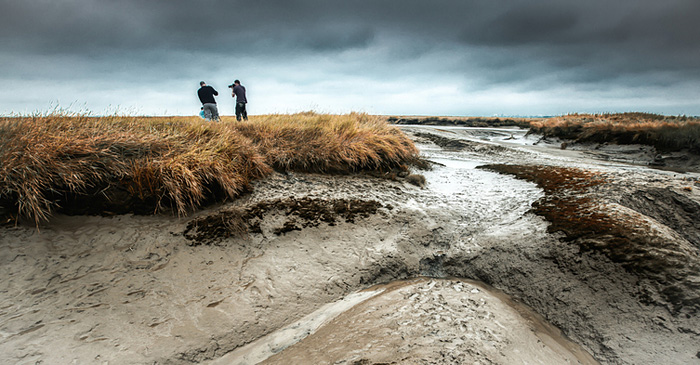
(416, 179)
(90, 165)
(329, 143)
(665, 133)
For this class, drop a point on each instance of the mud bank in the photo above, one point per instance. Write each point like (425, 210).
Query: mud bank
(136, 290)
(434, 321)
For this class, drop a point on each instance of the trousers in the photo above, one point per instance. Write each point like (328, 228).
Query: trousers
(211, 112)
(241, 112)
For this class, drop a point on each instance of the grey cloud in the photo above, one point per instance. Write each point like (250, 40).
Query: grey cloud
(212, 26)
(80, 26)
(335, 40)
(493, 43)
(523, 25)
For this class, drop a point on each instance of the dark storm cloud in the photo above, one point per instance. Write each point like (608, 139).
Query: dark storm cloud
(656, 30)
(535, 23)
(594, 43)
(624, 37)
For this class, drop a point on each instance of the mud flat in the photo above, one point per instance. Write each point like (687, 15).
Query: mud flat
(164, 290)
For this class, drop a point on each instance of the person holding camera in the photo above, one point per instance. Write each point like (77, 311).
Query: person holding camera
(238, 92)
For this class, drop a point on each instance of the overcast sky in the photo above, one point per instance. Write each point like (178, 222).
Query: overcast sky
(408, 57)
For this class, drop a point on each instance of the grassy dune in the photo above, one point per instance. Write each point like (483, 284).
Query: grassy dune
(137, 164)
(666, 133)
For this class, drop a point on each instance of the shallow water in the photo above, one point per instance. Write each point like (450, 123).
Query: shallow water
(480, 198)
(611, 156)
(508, 135)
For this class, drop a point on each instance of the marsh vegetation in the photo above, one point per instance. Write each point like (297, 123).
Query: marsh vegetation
(101, 165)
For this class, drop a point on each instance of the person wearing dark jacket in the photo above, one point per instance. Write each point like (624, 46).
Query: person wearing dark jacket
(206, 96)
(238, 91)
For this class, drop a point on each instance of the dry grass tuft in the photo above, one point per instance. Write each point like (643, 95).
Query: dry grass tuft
(329, 143)
(138, 164)
(666, 133)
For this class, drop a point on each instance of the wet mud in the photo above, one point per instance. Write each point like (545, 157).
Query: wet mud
(602, 251)
(572, 207)
(670, 208)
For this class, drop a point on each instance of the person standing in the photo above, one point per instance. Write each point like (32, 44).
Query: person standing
(238, 91)
(206, 95)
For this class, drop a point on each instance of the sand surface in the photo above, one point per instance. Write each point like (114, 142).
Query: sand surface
(432, 321)
(132, 289)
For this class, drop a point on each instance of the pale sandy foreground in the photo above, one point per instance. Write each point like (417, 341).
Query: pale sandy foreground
(426, 321)
(132, 290)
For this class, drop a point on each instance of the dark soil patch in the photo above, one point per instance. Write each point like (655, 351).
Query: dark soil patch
(209, 229)
(445, 143)
(301, 213)
(112, 198)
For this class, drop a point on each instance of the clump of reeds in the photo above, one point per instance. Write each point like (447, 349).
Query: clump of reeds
(175, 162)
(328, 143)
(665, 133)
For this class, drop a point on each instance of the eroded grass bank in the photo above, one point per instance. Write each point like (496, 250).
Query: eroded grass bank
(625, 236)
(665, 133)
(90, 165)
